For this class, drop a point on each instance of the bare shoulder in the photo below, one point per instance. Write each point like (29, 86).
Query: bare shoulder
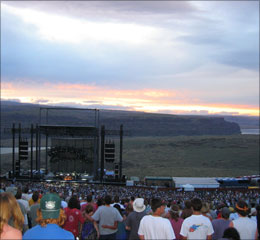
(11, 233)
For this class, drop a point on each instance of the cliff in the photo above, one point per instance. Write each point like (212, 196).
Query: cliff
(135, 123)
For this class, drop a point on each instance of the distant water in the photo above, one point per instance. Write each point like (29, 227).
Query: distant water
(255, 131)
(7, 150)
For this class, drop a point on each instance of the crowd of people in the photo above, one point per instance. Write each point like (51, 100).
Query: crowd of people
(45, 210)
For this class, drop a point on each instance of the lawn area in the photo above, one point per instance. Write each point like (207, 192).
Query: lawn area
(182, 156)
(198, 156)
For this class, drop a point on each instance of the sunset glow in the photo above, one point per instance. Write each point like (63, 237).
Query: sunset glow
(147, 100)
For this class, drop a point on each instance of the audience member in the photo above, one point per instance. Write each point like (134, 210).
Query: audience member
(9, 209)
(154, 226)
(121, 231)
(26, 195)
(205, 210)
(187, 211)
(246, 227)
(108, 217)
(133, 219)
(220, 225)
(34, 208)
(175, 220)
(89, 229)
(64, 204)
(25, 203)
(212, 211)
(35, 198)
(13, 190)
(196, 226)
(50, 219)
(231, 234)
(117, 201)
(74, 216)
(89, 201)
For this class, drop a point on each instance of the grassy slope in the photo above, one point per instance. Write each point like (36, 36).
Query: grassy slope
(197, 156)
(202, 156)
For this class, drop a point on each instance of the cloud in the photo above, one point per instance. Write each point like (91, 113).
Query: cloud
(150, 100)
(53, 27)
(113, 10)
(93, 106)
(132, 53)
(11, 100)
(40, 101)
(215, 83)
(244, 58)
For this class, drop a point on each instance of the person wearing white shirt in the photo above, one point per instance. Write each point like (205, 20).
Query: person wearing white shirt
(154, 226)
(196, 226)
(246, 227)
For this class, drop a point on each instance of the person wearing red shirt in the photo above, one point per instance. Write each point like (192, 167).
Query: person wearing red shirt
(75, 218)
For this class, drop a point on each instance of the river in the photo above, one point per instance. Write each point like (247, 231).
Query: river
(253, 131)
(8, 150)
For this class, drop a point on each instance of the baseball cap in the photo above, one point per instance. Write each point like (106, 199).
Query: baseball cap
(50, 206)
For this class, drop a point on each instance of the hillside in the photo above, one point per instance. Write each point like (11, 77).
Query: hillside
(183, 156)
(192, 156)
(136, 123)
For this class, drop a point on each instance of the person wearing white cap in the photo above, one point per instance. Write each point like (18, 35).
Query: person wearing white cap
(133, 219)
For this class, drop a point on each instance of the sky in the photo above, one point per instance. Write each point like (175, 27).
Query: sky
(176, 57)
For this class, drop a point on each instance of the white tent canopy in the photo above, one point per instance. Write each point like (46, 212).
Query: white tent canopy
(188, 187)
(196, 182)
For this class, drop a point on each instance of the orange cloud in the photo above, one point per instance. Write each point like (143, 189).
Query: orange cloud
(149, 100)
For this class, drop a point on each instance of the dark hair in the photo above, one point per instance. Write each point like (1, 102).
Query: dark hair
(132, 198)
(196, 204)
(74, 203)
(35, 196)
(117, 206)
(89, 208)
(187, 204)
(107, 199)
(129, 209)
(242, 208)
(225, 214)
(156, 203)
(18, 194)
(174, 212)
(116, 199)
(231, 233)
(100, 202)
(89, 198)
(25, 189)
